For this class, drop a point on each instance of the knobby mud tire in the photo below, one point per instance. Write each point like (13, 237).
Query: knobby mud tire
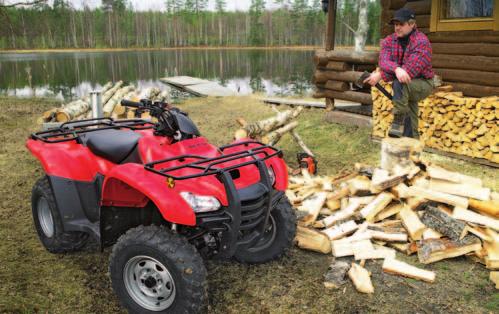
(58, 241)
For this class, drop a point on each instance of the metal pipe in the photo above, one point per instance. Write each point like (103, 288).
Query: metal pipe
(96, 101)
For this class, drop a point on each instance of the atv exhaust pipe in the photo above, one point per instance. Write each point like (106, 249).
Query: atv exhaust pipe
(96, 101)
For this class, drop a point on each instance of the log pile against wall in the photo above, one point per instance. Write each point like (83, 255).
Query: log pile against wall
(450, 122)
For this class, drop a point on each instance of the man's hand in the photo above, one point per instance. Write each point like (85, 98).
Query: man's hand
(402, 76)
(373, 79)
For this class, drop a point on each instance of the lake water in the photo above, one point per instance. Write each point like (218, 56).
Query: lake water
(69, 75)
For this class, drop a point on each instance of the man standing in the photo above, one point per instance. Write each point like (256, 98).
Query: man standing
(405, 59)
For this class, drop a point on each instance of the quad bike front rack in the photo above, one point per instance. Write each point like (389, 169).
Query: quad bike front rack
(243, 221)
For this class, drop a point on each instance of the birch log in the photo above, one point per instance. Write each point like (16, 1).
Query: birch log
(108, 107)
(273, 137)
(110, 92)
(72, 110)
(264, 126)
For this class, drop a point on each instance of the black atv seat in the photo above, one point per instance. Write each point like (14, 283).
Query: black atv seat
(113, 145)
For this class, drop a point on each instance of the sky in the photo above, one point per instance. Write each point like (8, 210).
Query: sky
(157, 5)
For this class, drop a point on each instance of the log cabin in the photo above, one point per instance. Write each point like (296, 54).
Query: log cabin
(465, 41)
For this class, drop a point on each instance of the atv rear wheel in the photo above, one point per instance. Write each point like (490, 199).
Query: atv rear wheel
(276, 240)
(155, 271)
(48, 221)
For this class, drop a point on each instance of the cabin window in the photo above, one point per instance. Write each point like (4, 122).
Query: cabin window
(464, 15)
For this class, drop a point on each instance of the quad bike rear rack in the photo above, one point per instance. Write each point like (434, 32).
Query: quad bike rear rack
(71, 130)
(243, 214)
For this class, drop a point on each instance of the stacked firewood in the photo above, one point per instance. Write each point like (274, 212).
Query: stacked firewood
(382, 111)
(111, 96)
(271, 130)
(462, 125)
(449, 121)
(405, 205)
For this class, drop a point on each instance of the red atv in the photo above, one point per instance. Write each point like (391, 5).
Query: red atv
(164, 197)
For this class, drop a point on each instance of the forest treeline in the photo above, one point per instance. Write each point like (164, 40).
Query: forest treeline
(183, 23)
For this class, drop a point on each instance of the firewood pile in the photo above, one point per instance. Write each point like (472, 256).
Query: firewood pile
(405, 205)
(111, 94)
(450, 122)
(271, 130)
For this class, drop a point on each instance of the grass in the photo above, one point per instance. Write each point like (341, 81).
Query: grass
(33, 280)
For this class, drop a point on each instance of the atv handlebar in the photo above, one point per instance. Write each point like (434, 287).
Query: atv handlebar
(129, 103)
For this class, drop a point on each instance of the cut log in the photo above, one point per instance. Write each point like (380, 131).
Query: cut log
(492, 249)
(460, 189)
(341, 248)
(460, 37)
(70, 111)
(333, 205)
(108, 107)
(479, 232)
(400, 153)
(431, 234)
(313, 240)
(494, 277)
(438, 220)
(396, 267)
(388, 237)
(300, 142)
(416, 203)
(361, 279)
(422, 7)
(445, 198)
(489, 207)
(335, 276)
(273, 137)
(400, 191)
(264, 126)
(376, 206)
(359, 186)
(469, 216)
(110, 92)
(343, 214)
(382, 180)
(456, 177)
(364, 250)
(339, 231)
(362, 200)
(391, 210)
(412, 224)
(313, 206)
(474, 90)
(339, 194)
(434, 250)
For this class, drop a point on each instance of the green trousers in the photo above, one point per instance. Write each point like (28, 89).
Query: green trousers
(406, 104)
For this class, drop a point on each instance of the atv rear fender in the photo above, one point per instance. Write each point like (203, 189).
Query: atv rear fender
(154, 187)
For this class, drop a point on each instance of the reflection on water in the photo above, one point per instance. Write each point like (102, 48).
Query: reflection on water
(70, 75)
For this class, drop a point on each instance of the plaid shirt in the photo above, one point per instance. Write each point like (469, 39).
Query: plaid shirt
(416, 59)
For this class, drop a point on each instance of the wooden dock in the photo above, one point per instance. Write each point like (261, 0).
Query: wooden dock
(198, 87)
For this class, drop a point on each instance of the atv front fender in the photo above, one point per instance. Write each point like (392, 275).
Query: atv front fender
(171, 205)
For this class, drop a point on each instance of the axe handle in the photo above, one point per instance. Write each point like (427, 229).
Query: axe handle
(384, 91)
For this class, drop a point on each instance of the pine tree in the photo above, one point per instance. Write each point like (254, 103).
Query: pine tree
(256, 36)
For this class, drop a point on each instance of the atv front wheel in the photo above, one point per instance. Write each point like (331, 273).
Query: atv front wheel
(276, 240)
(155, 271)
(48, 221)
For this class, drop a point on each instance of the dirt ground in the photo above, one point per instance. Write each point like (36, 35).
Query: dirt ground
(35, 281)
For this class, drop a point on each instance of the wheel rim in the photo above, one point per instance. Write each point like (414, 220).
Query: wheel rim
(149, 283)
(45, 217)
(267, 238)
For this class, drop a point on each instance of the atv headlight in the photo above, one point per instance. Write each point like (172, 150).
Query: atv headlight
(271, 175)
(199, 203)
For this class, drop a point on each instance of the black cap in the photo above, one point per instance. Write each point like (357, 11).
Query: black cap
(403, 15)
